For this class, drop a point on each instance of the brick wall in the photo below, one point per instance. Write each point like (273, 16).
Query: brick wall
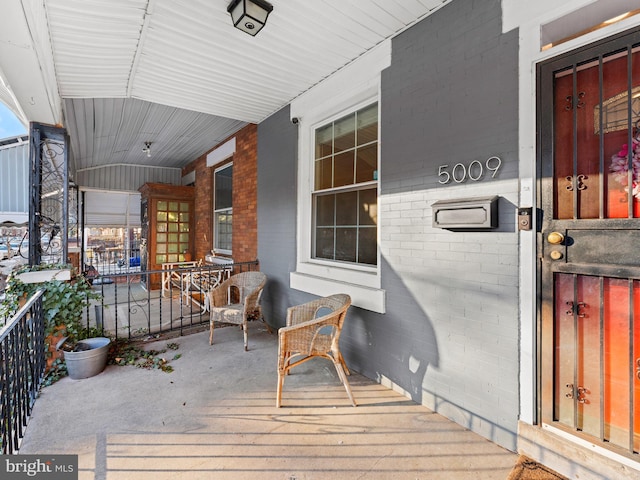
(245, 188)
(203, 205)
(245, 236)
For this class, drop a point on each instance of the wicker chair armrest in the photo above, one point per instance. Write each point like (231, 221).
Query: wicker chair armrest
(219, 296)
(311, 325)
(301, 337)
(251, 300)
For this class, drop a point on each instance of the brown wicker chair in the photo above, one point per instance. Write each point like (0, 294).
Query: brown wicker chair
(308, 335)
(235, 299)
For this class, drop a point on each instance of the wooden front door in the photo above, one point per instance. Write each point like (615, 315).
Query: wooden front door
(589, 242)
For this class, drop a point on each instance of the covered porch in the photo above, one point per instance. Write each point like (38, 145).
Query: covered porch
(229, 144)
(214, 417)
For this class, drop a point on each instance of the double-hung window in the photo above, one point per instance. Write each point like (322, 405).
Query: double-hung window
(223, 209)
(345, 193)
(338, 217)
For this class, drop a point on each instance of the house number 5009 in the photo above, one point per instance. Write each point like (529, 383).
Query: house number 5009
(475, 171)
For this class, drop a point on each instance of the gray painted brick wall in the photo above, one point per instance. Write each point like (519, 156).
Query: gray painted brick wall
(449, 337)
(450, 96)
(277, 156)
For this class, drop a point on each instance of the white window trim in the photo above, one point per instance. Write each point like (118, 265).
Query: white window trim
(215, 233)
(325, 102)
(221, 153)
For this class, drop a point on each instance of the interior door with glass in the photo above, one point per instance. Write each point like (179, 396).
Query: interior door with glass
(589, 242)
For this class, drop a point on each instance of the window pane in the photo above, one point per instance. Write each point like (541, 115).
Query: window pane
(368, 207)
(184, 227)
(162, 205)
(172, 217)
(161, 237)
(324, 243)
(172, 258)
(367, 163)
(184, 217)
(347, 208)
(173, 227)
(161, 259)
(173, 237)
(162, 216)
(346, 244)
(223, 197)
(344, 133)
(184, 206)
(367, 246)
(344, 165)
(324, 141)
(223, 230)
(161, 248)
(346, 154)
(173, 206)
(368, 124)
(325, 210)
(323, 174)
(161, 227)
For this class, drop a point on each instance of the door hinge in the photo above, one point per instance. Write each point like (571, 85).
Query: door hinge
(579, 393)
(577, 309)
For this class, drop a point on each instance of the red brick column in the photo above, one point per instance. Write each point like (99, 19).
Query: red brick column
(245, 194)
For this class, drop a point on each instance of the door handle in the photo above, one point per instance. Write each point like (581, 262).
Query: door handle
(555, 238)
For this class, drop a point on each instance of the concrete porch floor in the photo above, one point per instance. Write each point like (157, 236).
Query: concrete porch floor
(214, 417)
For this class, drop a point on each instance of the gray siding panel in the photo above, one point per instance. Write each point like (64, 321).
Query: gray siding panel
(126, 177)
(449, 337)
(14, 178)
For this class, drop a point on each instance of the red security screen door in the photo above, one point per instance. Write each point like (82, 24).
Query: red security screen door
(589, 244)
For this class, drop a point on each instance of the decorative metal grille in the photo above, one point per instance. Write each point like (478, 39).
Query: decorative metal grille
(49, 199)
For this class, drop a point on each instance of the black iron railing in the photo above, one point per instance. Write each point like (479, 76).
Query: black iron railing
(130, 309)
(22, 366)
(112, 261)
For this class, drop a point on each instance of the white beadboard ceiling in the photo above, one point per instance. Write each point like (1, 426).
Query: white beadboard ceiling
(176, 73)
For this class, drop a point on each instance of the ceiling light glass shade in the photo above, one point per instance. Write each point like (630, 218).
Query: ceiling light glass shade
(249, 15)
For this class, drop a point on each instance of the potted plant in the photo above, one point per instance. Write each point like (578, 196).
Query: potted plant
(67, 295)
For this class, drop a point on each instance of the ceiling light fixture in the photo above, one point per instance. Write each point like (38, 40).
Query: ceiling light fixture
(249, 15)
(147, 148)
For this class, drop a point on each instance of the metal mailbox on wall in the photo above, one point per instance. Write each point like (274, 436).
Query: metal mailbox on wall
(478, 213)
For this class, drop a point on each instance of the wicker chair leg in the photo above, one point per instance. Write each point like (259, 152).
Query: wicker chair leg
(267, 325)
(345, 382)
(287, 370)
(211, 332)
(246, 336)
(279, 391)
(259, 316)
(343, 363)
